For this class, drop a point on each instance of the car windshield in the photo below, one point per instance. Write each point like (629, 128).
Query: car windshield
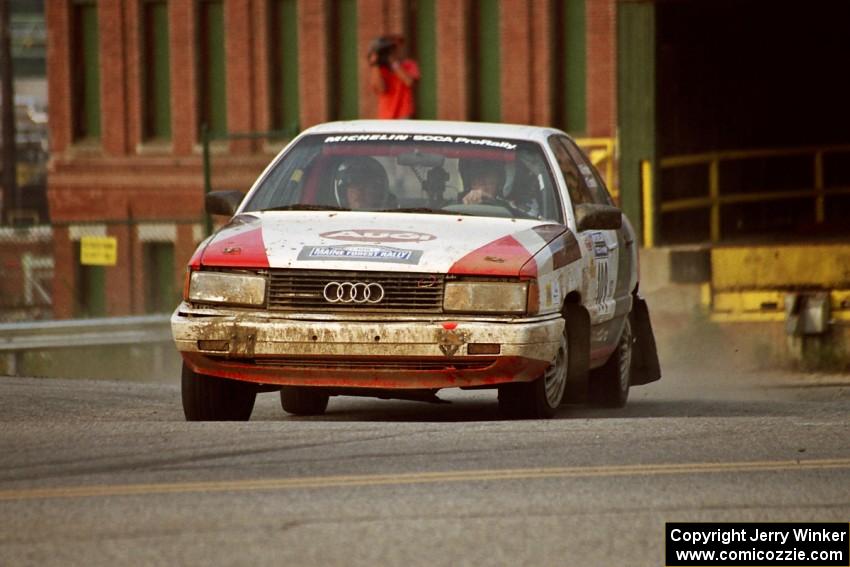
(415, 173)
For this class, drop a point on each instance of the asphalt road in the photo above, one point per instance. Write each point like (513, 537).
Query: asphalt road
(108, 473)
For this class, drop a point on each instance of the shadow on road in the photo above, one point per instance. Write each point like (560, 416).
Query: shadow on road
(482, 406)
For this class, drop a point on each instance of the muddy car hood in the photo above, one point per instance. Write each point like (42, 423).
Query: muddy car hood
(380, 242)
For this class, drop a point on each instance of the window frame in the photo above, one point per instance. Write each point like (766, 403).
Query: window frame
(211, 89)
(562, 156)
(485, 60)
(160, 289)
(155, 81)
(284, 175)
(284, 68)
(600, 193)
(85, 56)
(344, 61)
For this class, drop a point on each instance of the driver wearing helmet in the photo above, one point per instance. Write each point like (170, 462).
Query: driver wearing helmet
(361, 185)
(484, 181)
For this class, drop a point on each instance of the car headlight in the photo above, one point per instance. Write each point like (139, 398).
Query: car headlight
(486, 297)
(232, 289)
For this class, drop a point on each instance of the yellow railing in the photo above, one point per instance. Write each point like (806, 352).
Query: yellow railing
(602, 154)
(716, 198)
(648, 205)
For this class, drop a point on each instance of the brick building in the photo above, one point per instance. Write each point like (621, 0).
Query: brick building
(133, 82)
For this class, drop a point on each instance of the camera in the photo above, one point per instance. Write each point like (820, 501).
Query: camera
(383, 47)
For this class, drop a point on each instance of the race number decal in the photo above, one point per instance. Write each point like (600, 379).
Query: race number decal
(602, 281)
(605, 256)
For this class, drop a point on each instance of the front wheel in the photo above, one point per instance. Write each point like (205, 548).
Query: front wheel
(538, 399)
(609, 384)
(208, 398)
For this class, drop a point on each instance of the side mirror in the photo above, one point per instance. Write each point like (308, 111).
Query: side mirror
(223, 202)
(598, 217)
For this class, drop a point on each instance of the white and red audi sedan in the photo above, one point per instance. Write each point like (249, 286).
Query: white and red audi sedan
(396, 258)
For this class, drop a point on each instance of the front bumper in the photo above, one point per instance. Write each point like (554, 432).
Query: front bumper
(386, 353)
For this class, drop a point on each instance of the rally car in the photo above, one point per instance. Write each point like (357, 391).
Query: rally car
(397, 258)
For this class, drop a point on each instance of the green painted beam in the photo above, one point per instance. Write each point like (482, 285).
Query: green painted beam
(426, 53)
(347, 58)
(214, 91)
(488, 89)
(158, 75)
(574, 61)
(289, 109)
(89, 122)
(635, 101)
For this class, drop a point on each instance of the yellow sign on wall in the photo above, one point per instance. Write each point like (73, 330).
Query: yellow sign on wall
(98, 250)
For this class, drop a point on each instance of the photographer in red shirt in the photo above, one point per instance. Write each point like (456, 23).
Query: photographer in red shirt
(392, 76)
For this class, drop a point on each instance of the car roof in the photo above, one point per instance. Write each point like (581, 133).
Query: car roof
(446, 127)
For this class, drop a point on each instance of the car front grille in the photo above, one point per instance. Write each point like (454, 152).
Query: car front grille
(303, 290)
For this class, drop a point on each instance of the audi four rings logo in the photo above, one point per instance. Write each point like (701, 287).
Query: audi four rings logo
(353, 292)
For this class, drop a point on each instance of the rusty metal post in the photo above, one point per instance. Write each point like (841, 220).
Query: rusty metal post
(714, 194)
(819, 193)
(207, 167)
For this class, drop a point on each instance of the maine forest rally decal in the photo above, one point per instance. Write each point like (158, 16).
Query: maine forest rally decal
(360, 252)
(371, 249)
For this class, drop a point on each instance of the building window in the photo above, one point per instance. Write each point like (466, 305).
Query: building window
(156, 70)
(90, 289)
(422, 42)
(485, 76)
(284, 66)
(212, 92)
(344, 60)
(569, 81)
(85, 65)
(160, 291)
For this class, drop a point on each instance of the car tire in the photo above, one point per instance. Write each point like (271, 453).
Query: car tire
(609, 384)
(303, 401)
(542, 397)
(209, 398)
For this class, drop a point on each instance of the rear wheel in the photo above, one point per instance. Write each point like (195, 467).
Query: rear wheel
(208, 398)
(609, 384)
(540, 398)
(303, 401)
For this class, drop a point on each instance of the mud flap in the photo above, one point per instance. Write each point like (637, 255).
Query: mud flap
(577, 321)
(645, 365)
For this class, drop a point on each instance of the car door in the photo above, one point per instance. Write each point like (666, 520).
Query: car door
(626, 256)
(601, 246)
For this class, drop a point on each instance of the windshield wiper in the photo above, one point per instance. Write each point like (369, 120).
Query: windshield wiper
(305, 207)
(423, 210)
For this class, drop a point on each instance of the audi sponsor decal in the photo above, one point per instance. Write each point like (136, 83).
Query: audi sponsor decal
(360, 253)
(372, 235)
(353, 292)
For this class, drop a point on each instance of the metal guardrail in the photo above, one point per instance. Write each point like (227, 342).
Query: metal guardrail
(716, 198)
(16, 338)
